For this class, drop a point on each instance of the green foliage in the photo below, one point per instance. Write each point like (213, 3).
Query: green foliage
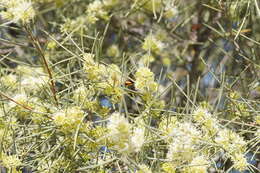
(129, 86)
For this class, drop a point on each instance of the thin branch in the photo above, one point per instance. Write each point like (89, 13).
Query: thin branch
(12, 100)
(37, 45)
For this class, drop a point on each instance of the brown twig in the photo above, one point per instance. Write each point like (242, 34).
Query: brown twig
(23, 106)
(12, 100)
(37, 45)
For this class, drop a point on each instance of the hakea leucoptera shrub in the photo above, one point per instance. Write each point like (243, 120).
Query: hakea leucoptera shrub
(182, 137)
(93, 127)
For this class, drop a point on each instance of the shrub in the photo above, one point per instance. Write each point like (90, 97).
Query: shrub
(129, 86)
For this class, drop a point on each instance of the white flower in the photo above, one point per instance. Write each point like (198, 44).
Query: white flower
(207, 121)
(17, 10)
(31, 83)
(96, 9)
(69, 119)
(171, 12)
(184, 142)
(124, 139)
(113, 51)
(144, 169)
(230, 141)
(137, 139)
(111, 3)
(83, 94)
(119, 132)
(198, 165)
(118, 124)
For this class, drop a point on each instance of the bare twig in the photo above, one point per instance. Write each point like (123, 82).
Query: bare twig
(12, 100)
(37, 45)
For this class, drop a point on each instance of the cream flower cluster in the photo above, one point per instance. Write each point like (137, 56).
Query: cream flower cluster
(170, 12)
(22, 103)
(11, 162)
(106, 79)
(167, 124)
(137, 139)
(68, 119)
(111, 3)
(230, 141)
(124, 137)
(83, 94)
(234, 145)
(152, 44)
(144, 80)
(208, 123)
(73, 25)
(198, 164)
(144, 169)
(95, 10)
(240, 161)
(145, 60)
(186, 138)
(113, 51)
(5, 135)
(184, 143)
(151, 6)
(95, 72)
(18, 10)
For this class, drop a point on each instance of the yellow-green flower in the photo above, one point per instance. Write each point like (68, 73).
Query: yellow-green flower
(144, 169)
(145, 80)
(240, 162)
(152, 44)
(69, 119)
(198, 165)
(113, 51)
(11, 162)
